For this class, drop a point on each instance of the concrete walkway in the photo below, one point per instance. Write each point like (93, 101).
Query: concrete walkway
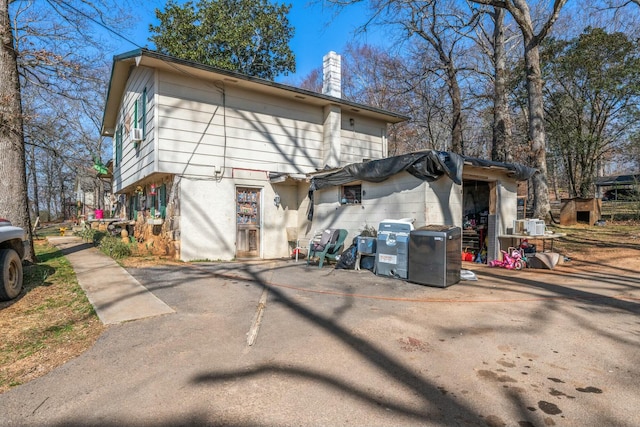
(116, 296)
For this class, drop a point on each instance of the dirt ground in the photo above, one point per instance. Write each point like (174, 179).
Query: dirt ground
(613, 245)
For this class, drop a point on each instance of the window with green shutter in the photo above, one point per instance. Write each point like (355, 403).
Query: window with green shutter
(142, 119)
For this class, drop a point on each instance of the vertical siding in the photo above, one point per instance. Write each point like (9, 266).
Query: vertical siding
(507, 203)
(137, 159)
(444, 205)
(401, 196)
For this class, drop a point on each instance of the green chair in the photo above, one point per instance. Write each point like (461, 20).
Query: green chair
(329, 247)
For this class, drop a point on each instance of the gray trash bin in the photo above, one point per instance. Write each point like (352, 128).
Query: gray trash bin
(435, 255)
(393, 248)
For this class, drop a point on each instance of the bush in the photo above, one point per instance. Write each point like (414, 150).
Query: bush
(91, 235)
(114, 247)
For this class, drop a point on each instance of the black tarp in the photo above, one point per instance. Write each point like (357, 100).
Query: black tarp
(428, 165)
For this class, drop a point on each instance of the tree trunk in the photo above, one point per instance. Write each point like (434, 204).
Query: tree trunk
(541, 206)
(34, 182)
(501, 118)
(457, 142)
(61, 196)
(13, 176)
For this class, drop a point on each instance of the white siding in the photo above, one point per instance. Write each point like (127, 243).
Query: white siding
(195, 130)
(207, 220)
(362, 140)
(507, 203)
(401, 196)
(137, 159)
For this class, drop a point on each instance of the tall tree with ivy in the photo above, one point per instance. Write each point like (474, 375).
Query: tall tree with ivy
(247, 36)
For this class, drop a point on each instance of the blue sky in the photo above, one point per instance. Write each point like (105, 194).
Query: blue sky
(317, 32)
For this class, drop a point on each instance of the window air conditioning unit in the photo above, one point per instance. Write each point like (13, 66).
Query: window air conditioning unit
(535, 227)
(136, 134)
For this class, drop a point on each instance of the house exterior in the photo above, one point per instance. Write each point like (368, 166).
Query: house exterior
(215, 163)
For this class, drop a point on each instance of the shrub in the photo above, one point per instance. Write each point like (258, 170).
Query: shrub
(114, 247)
(91, 235)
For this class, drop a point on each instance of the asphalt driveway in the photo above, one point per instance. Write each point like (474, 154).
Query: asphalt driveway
(334, 347)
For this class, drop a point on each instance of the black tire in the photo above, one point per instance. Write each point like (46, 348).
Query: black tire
(10, 274)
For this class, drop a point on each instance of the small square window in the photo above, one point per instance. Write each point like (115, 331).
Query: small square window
(351, 194)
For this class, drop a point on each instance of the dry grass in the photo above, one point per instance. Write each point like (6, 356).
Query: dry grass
(49, 324)
(615, 244)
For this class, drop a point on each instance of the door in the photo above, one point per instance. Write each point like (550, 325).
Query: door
(247, 222)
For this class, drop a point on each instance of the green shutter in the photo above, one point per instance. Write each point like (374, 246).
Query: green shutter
(135, 113)
(144, 113)
(162, 200)
(118, 153)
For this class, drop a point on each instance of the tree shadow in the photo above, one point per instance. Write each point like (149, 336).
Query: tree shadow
(437, 406)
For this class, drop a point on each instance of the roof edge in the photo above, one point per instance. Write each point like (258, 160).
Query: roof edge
(392, 117)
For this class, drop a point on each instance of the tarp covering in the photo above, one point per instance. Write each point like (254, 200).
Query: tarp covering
(519, 172)
(428, 165)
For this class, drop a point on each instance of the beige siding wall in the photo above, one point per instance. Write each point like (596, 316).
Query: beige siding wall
(402, 196)
(137, 159)
(365, 139)
(195, 130)
(444, 204)
(508, 203)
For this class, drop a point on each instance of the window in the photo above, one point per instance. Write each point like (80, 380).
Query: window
(118, 149)
(351, 194)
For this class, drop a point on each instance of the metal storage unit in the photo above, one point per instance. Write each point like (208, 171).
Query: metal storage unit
(435, 255)
(393, 248)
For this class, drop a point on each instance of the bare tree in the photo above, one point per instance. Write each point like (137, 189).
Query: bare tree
(533, 36)
(13, 178)
(501, 142)
(48, 46)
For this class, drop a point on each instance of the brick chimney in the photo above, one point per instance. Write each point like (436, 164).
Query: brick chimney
(332, 75)
(332, 86)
